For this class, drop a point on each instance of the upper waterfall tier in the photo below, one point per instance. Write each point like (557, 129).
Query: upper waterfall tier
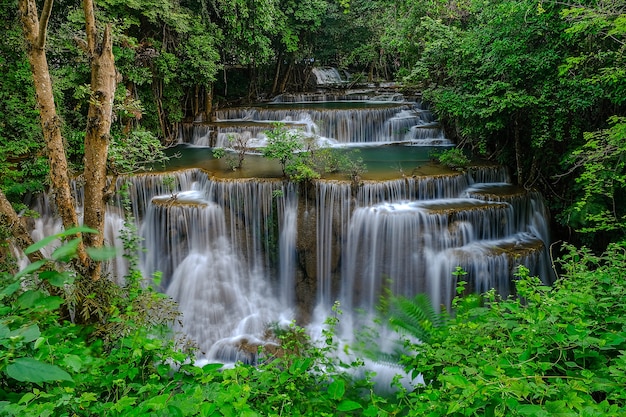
(380, 120)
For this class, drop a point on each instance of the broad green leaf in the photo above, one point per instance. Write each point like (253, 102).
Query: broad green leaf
(30, 268)
(29, 298)
(75, 230)
(41, 244)
(532, 410)
(10, 289)
(124, 402)
(49, 303)
(26, 398)
(32, 370)
(49, 239)
(210, 367)
(74, 362)
(67, 251)
(157, 403)
(28, 334)
(4, 331)
(102, 254)
(337, 389)
(347, 405)
(56, 278)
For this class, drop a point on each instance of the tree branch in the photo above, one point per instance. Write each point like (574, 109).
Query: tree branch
(90, 25)
(43, 23)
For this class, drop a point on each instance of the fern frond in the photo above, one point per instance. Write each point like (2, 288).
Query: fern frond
(415, 317)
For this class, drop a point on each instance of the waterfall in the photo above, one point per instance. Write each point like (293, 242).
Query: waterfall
(240, 251)
(329, 76)
(378, 120)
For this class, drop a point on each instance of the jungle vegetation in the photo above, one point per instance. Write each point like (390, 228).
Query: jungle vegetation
(536, 85)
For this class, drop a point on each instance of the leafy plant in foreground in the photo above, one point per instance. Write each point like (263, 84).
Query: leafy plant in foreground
(549, 350)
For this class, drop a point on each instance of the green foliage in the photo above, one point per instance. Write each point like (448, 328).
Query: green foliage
(22, 166)
(415, 317)
(453, 158)
(240, 145)
(545, 351)
(53, 367)
(284, 146)
(519, 82)
(302, 161)
(602, 180)
(136, 151)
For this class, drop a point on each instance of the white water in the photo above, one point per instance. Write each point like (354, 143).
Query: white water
(386, 119)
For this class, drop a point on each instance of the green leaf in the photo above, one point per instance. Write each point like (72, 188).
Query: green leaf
(74, 362)
(50, 303)
(28, 334)
(26, 398)
(532, 410)
(102, 254)
(67, 251)
(210, 367)
(32, 370)
(157, 403)
(56, 278)
(75, 230)
(29, 298)
(347, 405)
(49, 239)
(337, 389)
(30, 268)
(10, 289)
(124, 402)
(40, 244)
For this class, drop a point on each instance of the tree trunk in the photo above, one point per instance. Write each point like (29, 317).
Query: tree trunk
(35, 36)
(518, 151)
(10, 220)
(277, 72)
(283, 85)
(208, 104)
(97, 136)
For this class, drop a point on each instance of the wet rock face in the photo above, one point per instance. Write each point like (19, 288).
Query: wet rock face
(306, 243)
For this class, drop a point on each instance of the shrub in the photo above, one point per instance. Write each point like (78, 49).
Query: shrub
(453, 158)
(548, 350)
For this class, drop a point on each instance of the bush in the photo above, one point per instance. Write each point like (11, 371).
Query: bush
(548, 350)
(453, 158)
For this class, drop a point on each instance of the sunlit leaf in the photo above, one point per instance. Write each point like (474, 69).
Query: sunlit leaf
(67, 251)
(56, 278)
(30, 268)
(348, 405)
(102, 254)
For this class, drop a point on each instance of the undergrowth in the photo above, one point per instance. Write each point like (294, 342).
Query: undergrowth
(557, 350)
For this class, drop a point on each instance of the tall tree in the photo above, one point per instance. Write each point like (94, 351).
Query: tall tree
(35, 33)
(99, 118)
(103, 84)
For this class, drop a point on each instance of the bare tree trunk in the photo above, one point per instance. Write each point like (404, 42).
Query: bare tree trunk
(10, 220)
(277, 72)
(208, 104)
(283, 85)
(35, 35)
(518, 152)
(97, 136)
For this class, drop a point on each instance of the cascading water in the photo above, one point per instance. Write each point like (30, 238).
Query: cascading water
(382, 119)
(238, 253)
